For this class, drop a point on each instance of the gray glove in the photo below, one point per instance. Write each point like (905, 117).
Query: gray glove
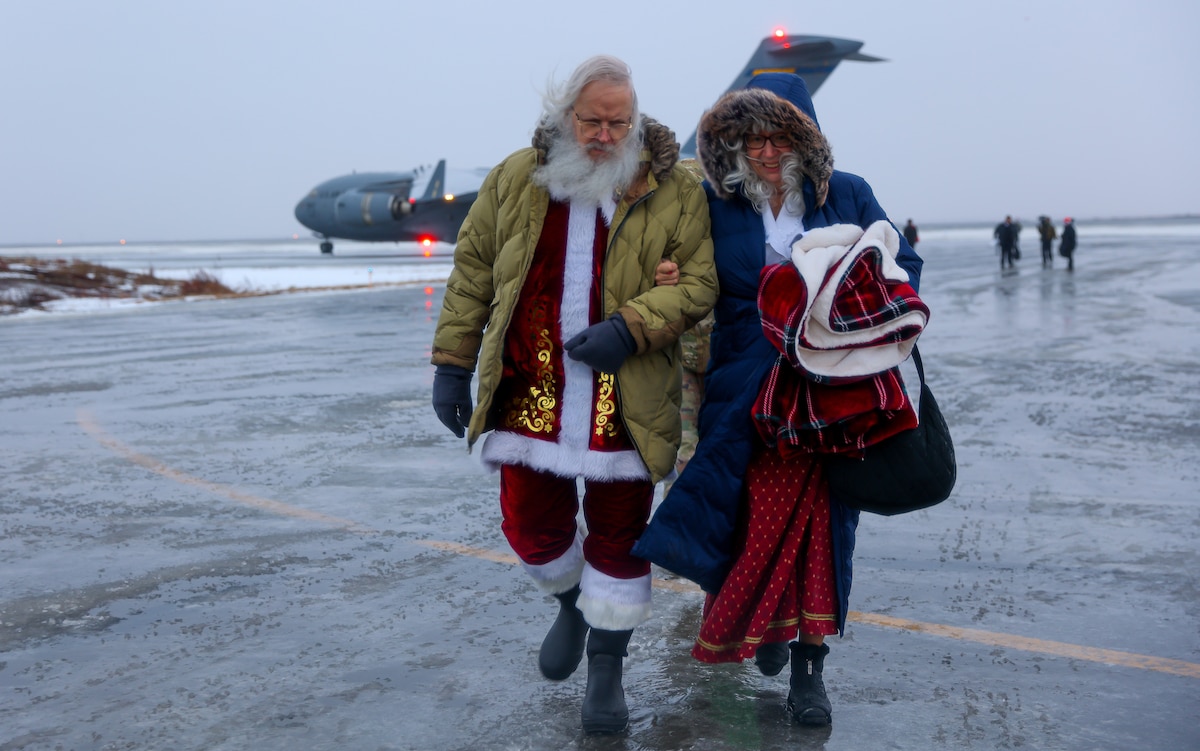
(452, 397)
(602, 346)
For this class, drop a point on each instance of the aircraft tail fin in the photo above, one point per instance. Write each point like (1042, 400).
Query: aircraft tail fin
(436, 187)
(813, 58)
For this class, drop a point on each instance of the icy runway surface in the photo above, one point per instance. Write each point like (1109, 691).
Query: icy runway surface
(237, 525)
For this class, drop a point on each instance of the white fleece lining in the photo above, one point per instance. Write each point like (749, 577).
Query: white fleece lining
(845, 354)
(613, 604)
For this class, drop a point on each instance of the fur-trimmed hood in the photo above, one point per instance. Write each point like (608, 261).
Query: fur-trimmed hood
(771, 101)
(659, 147)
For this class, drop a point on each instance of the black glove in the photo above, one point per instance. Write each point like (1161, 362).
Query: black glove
(452, 397)
(603, 346)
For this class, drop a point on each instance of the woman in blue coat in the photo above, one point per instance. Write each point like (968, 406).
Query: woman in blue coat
(770, 178)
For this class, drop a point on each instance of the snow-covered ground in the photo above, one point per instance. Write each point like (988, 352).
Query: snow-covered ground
(296, 264)
(249, 266)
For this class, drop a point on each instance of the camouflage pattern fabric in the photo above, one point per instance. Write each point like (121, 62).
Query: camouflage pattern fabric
(695, 359)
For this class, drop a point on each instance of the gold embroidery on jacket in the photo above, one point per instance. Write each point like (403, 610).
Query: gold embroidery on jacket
(534, 411)
(605, 406)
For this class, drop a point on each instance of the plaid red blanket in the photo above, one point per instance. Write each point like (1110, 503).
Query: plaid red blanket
(843, 317)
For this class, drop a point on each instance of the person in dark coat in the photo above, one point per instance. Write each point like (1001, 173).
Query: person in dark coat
(770, 177)
(1006, 234)
(1067, 247)
(1048, 234)
(911, 234)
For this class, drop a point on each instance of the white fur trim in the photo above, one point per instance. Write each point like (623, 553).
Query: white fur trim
(613, 604)
(501, 447)
(575, 316)
(562, 573)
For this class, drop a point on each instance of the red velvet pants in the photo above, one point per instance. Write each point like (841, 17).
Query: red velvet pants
(539, 511)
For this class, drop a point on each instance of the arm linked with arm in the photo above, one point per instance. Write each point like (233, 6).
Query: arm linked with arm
(658, 316)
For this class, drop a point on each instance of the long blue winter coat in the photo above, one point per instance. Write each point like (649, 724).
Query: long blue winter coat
(691, 532)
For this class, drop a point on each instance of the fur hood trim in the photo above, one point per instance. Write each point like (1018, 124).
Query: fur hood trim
(743, 111)
(659, 147)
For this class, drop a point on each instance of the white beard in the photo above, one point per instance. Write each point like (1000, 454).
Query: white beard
(572, 176)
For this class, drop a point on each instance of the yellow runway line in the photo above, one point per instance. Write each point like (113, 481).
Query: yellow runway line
(1027, 644)
(88, 423)
(991, 638)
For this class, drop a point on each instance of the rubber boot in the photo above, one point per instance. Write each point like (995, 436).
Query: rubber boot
(771, 657)
(562, 649)
(604, 708)
(806, 700)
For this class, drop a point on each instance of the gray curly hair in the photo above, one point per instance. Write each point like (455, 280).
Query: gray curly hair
(757, 190)
(560, 98)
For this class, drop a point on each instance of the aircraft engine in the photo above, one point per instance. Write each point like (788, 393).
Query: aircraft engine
(369, 209)
(401, 207)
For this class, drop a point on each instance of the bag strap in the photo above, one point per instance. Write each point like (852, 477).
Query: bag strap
(916, 356)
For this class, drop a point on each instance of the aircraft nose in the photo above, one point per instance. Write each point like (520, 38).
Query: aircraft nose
(305, 211)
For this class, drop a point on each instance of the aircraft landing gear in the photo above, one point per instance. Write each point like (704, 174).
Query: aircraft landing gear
(326, 246)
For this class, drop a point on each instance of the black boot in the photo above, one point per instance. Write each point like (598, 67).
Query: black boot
(604, 708)
(771, 657)
(562, 649)
(806, 700)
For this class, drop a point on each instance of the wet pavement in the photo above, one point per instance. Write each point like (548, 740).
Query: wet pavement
(237, 525)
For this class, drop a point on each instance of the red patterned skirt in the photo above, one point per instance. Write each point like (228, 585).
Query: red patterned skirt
(782, 582)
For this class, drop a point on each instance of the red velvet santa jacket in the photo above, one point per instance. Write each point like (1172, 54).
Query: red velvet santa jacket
(664, 215)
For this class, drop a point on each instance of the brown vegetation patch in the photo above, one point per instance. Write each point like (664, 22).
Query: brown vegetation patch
(27, 283)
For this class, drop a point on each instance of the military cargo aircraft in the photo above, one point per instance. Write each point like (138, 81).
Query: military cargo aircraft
(376, 206)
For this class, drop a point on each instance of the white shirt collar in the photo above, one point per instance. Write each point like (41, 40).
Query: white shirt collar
(781, 231)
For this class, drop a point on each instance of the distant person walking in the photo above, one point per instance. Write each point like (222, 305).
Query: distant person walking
(1067, 247)
(1048, 234)
(1006, 235)
(910, 233)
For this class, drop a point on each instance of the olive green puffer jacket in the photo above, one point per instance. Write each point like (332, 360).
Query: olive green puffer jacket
(664, 215)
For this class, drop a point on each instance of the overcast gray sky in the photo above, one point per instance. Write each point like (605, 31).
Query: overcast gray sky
(209, 120)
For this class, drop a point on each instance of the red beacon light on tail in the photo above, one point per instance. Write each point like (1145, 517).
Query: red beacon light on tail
(780, 35)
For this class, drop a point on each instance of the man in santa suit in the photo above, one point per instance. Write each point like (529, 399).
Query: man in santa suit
(552, 303)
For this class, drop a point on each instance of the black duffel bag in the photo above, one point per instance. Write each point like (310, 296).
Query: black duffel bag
(911, 470)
